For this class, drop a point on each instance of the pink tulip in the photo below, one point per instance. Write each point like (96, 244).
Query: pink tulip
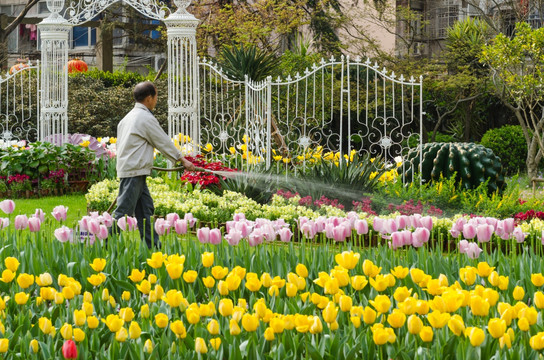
(518, 235)
(463, 246)
(338, 233)
(407, 237)
(269, 233)
(34, 224)
(239, 217)
(84, 223)
(233, 237)
(180, 226)
(93, 225)
(63, 234)
(329, 230)
(21, 222)
(4, 223)
(427, 222)
(402, 221)
(285, 234)
(542, 238)
(162, 226)
(39, 214)
(397, 240)
(416, 220)
(60, 212)
(473, 251)
(420, 236)
(508, 225)
(458, 226)
(361, 227)
(203, 235)
(309, 229)
(103, 232)
(454, 233)
(244, 228)
(255, 238)
(320, 223)
(7, 206)
(190, 219)
(391, 226)
(107, 219)
(484, 232)
(469, 231)
(127, 223)
(215, 237)
(378, 224)
(172, 218)
(491, 221)
(302, 220)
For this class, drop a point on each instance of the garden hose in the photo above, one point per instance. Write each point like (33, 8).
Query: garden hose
(159, 169)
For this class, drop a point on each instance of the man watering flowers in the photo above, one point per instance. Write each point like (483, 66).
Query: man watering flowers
(137, 135)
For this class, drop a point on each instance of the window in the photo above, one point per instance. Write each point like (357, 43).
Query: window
(446, 17)
(42, 8)
(83, 36)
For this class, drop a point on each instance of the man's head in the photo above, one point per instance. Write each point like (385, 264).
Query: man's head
(146, 93)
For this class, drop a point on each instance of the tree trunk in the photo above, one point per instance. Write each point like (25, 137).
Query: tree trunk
(531, 161)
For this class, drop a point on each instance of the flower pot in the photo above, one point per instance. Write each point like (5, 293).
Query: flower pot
(78, 185)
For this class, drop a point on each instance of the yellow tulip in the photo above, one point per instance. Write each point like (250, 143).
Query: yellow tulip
(234, 328)
(356, 321)
(426, 334)
(173, 298)
(215, 343)
(456, 325)
(68, 293)
(345, 302)
(7, 276)
(178, 328)
(537, 279)
(370, 269)
(193, 315)
(484, 270)
(21, 298)
(98, 264)
(113, 322)
(269, 334)
(200, 346)
(358, 282)
(330, 313)
(233, 281)
(174, 270)
(213, 327)
(144, 311)
(92, 322)
(401, 293)
(414, 324)
(125, 296)
(250, 322)
(479, 306)
(161, 320)
(396, 319)
(136, 275)
(253, 284)
(156, 261)
(34, 346)
(219, 272)
(95, 280)
(79, 335)
(127, 314)
(121, 335)
(4, 345)
(539, 299)
(45, 325)
(44, 279)
(207, 259)
(400, 272)
(11, 263)
(518, 293)
(496, 327)
(468, 275)
(369, 315)
(25, 280)
(347, 259)
(225, 307)
(437, 319)
(301, 270)
(190, 276)
(66, 331)
(475, 335)
(523, 324)
(278, 325)
(381, 303)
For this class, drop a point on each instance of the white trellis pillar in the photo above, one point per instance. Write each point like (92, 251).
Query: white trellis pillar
(54, 35)
(183, 75)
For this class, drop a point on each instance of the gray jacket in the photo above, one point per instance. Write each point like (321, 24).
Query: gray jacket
(137, 134)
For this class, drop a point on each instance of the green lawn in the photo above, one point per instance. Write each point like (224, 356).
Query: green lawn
(77, 206)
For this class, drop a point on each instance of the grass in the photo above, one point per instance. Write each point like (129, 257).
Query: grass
(76, 204)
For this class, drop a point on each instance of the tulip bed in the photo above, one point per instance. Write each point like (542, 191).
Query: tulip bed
(253, 292)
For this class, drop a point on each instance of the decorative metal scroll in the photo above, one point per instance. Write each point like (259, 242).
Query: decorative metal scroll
(81, 11)
(19, 106)
(333, 109)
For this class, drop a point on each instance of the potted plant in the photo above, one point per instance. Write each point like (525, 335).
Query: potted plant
(47, 185)
(20, 184)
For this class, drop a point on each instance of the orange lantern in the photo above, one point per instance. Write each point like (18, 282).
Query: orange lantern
(17, 67)
(77, 65)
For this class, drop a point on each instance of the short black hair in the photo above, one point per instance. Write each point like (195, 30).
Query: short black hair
(143, 90)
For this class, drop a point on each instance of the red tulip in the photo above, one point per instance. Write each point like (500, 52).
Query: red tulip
(69, 349)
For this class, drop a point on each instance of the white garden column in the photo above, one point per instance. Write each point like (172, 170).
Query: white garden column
(183, 75)
(54, 35)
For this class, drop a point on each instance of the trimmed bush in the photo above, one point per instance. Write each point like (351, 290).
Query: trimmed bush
(509, 144)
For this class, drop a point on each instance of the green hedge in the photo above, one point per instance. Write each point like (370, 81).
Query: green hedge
(509, 144)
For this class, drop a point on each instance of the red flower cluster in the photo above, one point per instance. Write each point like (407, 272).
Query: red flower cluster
(203, 178)
(18, 178)
(409, 208)
(528, 215)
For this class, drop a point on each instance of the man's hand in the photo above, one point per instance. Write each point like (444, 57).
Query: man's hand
(187, 164)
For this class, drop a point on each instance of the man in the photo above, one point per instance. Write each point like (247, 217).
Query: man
(137, 135)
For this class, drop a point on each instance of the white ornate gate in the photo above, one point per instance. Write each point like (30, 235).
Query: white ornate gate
(182, 63)
(19, 105)
(332, 109)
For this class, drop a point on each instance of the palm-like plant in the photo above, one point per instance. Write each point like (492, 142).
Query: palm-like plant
(247, 60)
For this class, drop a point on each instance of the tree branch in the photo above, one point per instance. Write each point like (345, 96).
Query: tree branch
(11, 26)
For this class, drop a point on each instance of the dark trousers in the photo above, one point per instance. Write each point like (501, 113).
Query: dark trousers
(135, 200)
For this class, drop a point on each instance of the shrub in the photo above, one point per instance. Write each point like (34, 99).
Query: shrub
(509, 144)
